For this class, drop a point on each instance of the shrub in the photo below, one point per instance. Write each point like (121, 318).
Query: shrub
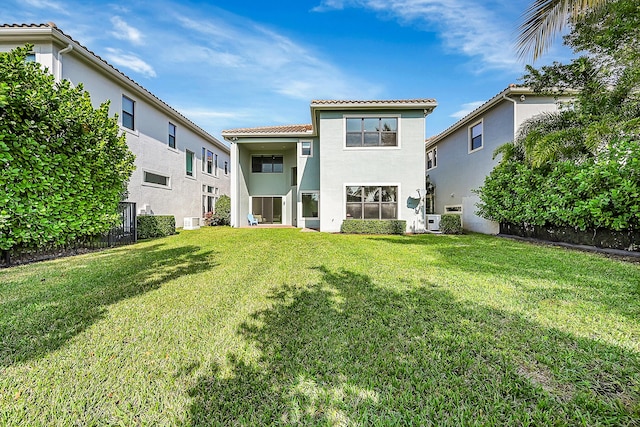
(64, 166)
(223, 211)
(451, 224)
(151, 226)
(371, 226)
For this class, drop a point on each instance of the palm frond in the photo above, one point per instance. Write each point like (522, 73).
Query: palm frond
(545, 19)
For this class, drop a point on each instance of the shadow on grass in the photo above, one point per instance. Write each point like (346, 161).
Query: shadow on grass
(348, 352)
(571, 276)
(45, 313)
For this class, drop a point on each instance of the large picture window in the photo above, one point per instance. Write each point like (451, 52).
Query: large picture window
(372, 202)
(267, 164)
(372, 132)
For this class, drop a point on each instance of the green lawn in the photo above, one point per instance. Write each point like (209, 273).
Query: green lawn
(273, 326)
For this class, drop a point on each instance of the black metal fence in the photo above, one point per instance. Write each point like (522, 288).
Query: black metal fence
(124, 233)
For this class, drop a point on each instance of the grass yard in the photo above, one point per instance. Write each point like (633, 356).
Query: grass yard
(273, 326)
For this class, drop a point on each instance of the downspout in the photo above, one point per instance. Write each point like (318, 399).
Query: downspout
(515, 122)
(67, 49)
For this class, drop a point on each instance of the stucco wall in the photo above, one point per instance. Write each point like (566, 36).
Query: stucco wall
(149, 140)
(459, 172)
(400, 166)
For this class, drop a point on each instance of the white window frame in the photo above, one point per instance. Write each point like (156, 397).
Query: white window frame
(193, 164)
(433, 150)
(133, 113)
(371, 184)
(175, 137)
(302, 206)
(305, 141)
(152, 184)
(372, 116)
(469, 140)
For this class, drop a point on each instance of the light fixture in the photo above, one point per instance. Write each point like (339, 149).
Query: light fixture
(522, 98)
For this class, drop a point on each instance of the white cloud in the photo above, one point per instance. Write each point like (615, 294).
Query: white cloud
(47, 4)
(129, 61)
(124, 31)
(466, 109)
(465, 26)
(241, 49)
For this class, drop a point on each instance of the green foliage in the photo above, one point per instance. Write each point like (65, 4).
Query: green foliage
(152, 226)
(451, 224)
(222, 216)
(603, 192)
(372, 226)
(63, 165)
(578, 167)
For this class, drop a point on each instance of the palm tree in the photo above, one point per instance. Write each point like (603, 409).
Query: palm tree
(545, 19)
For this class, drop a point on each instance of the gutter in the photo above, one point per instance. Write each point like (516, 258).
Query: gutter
(515, 122)
(67, 49)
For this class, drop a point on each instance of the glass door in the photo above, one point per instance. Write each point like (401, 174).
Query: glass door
(267, 210)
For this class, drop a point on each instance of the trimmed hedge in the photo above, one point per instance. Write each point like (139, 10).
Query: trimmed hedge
(372, 226)
(451, 224)
(150, 226)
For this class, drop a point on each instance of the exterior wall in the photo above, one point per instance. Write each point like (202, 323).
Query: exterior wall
(459, 172)
(400, 166)
(249, 184)
(186, 195)
(308, 181)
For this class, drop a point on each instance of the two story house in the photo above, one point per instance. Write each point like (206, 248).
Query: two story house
(180, 169)
(356, 160)
(459, 159)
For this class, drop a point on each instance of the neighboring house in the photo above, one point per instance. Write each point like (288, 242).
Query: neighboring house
(180, 169)
(358, 159)
(459, 159)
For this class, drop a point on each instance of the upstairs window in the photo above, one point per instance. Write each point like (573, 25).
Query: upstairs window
(372, 132)
(432, 158)
(209, 162)
(172, 135)
(226, 168)
(267, 164)
(189, 156)
(128, 113)
(306, 148)
(475, 137)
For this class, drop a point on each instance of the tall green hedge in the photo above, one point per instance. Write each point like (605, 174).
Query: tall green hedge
(371, 226)
(151, 226)
(451, 224)
(63, 164)
(601, 192)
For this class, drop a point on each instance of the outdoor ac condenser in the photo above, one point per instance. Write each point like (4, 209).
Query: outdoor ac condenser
(191, 223)
(433, 222)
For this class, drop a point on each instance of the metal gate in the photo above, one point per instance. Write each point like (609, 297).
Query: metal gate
(125, 231)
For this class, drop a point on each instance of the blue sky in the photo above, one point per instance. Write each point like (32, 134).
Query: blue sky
(228, 63)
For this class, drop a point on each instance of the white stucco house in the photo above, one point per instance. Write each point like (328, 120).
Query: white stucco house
(356, 159)
(459, 158)
(180, 169)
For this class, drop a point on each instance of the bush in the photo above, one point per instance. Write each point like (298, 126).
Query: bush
(151, 226)
(451, 224)
(371, 226)
(64, 166)
(222, 216)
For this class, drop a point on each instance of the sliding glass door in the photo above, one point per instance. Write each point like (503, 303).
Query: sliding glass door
(267, 210)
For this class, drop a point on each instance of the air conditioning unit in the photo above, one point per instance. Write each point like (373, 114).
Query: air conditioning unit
(433, 222)
(191, 223)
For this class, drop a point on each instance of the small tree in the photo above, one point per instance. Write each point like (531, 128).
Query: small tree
(223, 211)
(63, 165)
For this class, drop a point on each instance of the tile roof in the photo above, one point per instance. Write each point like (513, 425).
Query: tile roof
(296, 129)
(53, 26)
(372, 102)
